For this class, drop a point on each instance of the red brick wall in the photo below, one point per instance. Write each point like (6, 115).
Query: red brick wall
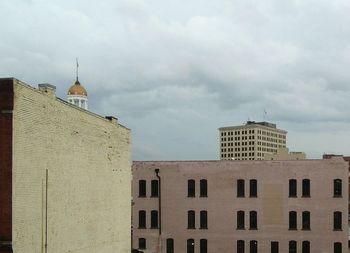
(6, 107)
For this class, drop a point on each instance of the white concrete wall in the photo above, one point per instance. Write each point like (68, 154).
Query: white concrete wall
(88, 159)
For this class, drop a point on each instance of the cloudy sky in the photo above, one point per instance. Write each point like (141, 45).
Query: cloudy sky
(175, 71)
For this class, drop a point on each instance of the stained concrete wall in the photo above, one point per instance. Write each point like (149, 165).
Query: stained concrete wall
(272, 204)
(89, 173)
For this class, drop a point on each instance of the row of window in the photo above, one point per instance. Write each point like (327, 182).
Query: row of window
(337, 220)
(191, 188)
(253, 246)
(252, 132)
(142, 219)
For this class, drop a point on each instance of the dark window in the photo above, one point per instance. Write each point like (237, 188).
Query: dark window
(306, 188)
(142, 243)
(337, 247)
(240, 188)
(253, 220)
(142, 188)
(253, 190)
(203, 188)
(240, 246)
(203, 219)
(292, 220)
(274, 247)
(306, 247)
(142, 219)
(203, 246)
(253, 247)
(292, 187)
(154, 219)
(292, 247)
(337, 221)
(306, 220)
(190, 246)
(191, 190)
(191, 220)
(240, 220)
(154, 188)
(337, 188)
(170, 245)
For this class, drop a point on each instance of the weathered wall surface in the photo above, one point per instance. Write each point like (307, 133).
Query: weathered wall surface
(272, 204)
(88, 192)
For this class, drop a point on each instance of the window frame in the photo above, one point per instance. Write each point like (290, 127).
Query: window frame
(306, 188)
(203, 188)
(253, 188)
(337, 221)
(142, 243)
(203, 219)
(203, 246)
(142, 217)
(154, 219)
(253, 246)
(190, 245)
(191, 188)
(306, 220)
(253, 220)
(337, 188)
(154, 188)
(292, 246)
(169, 245)
(240, 246)
(240, 220)
(305, 248)
(293, 188)
(191, 219)
(142, 188)
(240, 188)
(293, 220)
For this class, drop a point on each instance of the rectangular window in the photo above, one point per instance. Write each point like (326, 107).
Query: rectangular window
(306, 220)
(203, 188)
(253, 220)
(142, 219)
(142, 188)
(170, 245)
(240, 246)
(292, 247)
(337, 188)
(274, 247)
(154, 219)
(306, 188)
(142, 243)
(240, 188)
(306, 247)
(191, 188)
(253, 189)
(253, 247)
(203, 219)
(154, 188)
(337, 247)
(292, 220)
(292, 188)
(203, 246)
(191, 219)
(240, 220)
(337, 220)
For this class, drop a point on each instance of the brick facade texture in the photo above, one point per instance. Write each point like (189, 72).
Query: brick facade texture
(6, 107)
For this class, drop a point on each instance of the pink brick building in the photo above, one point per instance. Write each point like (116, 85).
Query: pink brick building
(240, 206)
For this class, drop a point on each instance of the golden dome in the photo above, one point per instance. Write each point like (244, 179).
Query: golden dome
(77, 89)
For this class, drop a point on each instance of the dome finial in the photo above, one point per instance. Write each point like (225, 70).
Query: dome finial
(77, 71)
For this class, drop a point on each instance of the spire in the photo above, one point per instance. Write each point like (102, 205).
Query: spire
(77, 71)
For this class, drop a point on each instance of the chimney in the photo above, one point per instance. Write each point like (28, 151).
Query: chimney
(112, 119)
(47, 88)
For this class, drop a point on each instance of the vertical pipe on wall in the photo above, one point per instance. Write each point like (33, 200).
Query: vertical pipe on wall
(159, 201)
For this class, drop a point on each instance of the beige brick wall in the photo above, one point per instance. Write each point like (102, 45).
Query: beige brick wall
(88, 159)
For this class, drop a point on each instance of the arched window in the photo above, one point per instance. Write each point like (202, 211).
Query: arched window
(337, 188)
(240, 188)
(274, 247)
(154, 188)
(191, 219)
(253, 189)
(142, 188)
(240, 220)
(142, 243)
(337, 247)
(203, 188)
(191, 189)
(292, 220)
(292, 188)
(142, 219)
(154, 219)
(306, 188)
(337, 220)
(190, 246)
(240, 246)
(169, 245)
(253, 247)
(253, 220)
(203, 246)
(306, 220)
(306, 247)
(292, 247)
(203, 219)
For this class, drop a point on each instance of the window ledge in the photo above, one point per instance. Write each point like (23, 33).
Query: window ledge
(188, 196)
(337, 229)
(337, 196)
(142, 196)
(253, 228)
(240, 196)
(141, 227)
(306, 229)
(204, 196)
(292, 196)
(240, 228)
(191, 228)
(292, 229)
(306, 196)
(154, 197)
(154, 227)
(253, 197)
(204, 228)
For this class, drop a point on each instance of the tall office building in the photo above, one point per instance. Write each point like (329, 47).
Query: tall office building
(251, 141)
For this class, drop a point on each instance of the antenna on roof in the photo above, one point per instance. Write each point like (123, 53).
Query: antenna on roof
(264, 115)
(77, 69)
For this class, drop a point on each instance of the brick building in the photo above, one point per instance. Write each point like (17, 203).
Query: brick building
(240, 206)
(65, 175)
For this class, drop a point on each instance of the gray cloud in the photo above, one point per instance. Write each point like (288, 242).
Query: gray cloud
(175, 71)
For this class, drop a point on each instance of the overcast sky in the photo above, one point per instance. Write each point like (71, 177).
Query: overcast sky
(175, 71)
